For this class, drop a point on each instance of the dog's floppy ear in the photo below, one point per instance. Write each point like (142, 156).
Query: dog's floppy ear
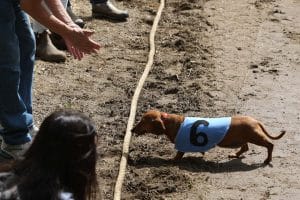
(159, 125)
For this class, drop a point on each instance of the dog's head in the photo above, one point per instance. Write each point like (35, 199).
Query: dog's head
(151, 122)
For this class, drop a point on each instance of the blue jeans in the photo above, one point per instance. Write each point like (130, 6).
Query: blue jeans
(17, 55)
(98, 1)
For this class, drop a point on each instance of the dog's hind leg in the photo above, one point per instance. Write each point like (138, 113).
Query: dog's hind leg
(243, 149)
(270, 150)
(265, 143)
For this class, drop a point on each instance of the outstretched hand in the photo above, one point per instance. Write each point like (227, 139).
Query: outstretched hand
(78, 42)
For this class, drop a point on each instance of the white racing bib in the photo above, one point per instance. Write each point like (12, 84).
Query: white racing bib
(201, 134)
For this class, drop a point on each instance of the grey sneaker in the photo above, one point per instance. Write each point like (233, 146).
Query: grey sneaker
(9, 151)
(33, 131)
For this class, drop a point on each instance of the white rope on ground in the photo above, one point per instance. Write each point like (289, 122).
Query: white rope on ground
(127, 138)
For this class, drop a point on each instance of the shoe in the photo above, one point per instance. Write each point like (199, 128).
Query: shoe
(58, 41)
(9, 152)
(46, 51)
(33, 131)
(108, 10)
(75, 18)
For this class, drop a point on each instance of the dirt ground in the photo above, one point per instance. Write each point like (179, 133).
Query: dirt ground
(214, 58)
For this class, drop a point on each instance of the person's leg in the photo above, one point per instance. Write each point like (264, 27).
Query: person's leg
(27, 58)
(39, 28)
(105, 9)
(74, 17)
(45, 49)
(57, 40)
(14, 116)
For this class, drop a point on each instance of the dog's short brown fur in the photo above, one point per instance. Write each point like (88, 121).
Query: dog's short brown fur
(243, 130)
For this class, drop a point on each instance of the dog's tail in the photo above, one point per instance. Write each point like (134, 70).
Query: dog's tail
(270, 136)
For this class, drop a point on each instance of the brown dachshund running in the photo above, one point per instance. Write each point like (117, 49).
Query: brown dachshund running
(190, 134)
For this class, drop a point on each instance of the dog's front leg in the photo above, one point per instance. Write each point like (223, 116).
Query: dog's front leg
(179, 155)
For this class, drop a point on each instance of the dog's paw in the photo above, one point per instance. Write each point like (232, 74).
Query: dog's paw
(267, 161)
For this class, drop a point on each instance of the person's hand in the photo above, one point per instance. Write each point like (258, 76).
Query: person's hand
(79, 43)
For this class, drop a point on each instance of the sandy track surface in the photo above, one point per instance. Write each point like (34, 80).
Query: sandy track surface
(214, 58)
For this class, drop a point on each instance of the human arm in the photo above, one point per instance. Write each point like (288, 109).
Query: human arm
(57, 20)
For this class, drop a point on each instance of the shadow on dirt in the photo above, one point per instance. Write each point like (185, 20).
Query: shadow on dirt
(91, 18)
(195, 164)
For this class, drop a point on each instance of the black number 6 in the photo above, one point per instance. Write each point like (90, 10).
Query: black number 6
(194, 135)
